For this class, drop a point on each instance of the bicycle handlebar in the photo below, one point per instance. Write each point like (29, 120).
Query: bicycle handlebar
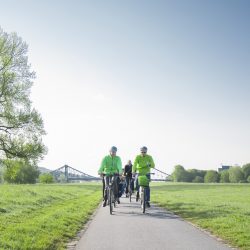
(144, 174)
(111, 174)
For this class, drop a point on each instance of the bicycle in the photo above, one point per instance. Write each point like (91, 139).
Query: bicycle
(143, 181)
(130, 188)
(110, 193)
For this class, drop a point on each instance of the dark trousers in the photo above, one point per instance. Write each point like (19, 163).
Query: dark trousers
(106, 179)
(131, 183)
(103, 187)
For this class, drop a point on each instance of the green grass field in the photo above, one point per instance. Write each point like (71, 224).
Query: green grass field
(224, 210)
(44, 216)
(48, 216)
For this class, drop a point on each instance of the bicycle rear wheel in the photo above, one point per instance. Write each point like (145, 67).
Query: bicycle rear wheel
(113, 195)
(114, 200)
(130, 191)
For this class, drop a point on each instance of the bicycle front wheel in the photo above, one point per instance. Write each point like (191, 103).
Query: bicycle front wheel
(110, 201)
(144, 201)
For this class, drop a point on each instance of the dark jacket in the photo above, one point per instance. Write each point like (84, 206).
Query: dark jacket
(128, 170)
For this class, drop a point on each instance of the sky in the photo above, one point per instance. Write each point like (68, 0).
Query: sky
(171, 75)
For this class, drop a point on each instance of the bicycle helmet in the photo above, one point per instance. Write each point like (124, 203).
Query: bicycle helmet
(113, 149)
(144, 149)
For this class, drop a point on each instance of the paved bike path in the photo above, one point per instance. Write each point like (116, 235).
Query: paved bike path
(157, 229)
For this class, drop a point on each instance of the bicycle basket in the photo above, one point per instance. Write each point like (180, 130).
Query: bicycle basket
(143, 180)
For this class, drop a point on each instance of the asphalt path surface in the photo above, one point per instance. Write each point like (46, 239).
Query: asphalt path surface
(128, 228)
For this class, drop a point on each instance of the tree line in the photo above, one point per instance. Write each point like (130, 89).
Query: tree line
(234, 174)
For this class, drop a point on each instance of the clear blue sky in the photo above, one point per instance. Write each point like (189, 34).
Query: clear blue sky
(171, 75)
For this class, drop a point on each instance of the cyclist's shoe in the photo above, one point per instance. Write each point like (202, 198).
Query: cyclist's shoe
(104, 203)
(118, 201)
(137, 196)
(148, 204)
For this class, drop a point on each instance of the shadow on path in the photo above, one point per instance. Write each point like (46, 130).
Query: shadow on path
(133, 210)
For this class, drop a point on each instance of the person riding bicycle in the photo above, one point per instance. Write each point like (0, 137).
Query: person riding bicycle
(128, 174)
(142, 165)
(111, 165)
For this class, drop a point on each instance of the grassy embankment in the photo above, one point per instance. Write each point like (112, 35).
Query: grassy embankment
(224, 210)
(44, 216)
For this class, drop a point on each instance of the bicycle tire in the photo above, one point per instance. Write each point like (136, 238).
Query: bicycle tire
(144, 201)
(110, 201)
(140, 196)
(130, 191)
(113, 195)
(114, 201)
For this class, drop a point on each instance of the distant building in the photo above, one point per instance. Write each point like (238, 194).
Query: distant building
(223, 168)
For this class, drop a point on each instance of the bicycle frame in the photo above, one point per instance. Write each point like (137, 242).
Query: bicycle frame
(110, 193)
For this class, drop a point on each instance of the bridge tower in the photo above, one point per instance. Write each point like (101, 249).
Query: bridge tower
(66, 171)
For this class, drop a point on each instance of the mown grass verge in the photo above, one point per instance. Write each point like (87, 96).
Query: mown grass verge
(44, 216)
(222, 209)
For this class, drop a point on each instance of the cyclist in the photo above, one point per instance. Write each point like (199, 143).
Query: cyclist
(128, 175)
(111, 165)
(142, 165)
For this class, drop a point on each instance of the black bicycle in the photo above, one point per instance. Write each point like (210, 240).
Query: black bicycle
(110, 193)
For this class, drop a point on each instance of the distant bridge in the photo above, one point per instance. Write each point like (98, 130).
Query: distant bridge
(159, 175)
(67, 173)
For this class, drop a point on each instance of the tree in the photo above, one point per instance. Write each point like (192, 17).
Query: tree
(20, 172)
(180, 174)
(192, 173)
(198, 179)
(211, 176)
(248, 179)
(246, 170)
(224, 176)
(21, 126)
(196, 173)
(236, 175)
(1, 174)
(46, 178)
